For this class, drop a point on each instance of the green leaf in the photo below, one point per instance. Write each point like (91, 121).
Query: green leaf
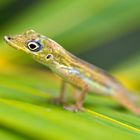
(26, 112)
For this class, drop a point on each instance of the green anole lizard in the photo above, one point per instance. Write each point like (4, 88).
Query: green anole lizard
(82, 75)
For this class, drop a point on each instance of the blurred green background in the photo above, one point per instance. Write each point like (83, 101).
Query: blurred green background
(104, 33)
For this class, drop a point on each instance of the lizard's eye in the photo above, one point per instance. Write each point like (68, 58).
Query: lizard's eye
(34, 46)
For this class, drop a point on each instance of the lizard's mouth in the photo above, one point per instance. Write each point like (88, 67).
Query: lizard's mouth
(9, 41)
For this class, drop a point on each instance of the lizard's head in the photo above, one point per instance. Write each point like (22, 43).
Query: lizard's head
(40, 47)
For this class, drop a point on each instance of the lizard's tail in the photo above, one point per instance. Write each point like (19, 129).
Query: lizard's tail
(128, 101)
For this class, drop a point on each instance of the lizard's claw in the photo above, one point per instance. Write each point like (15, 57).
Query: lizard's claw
(72, 108)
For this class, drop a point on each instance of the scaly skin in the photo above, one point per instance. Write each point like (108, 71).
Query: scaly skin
(71, 69)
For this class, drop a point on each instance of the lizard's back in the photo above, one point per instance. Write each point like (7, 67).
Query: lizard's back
(98, 80)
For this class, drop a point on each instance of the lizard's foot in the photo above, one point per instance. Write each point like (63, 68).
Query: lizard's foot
(56, 101)
(73, 108)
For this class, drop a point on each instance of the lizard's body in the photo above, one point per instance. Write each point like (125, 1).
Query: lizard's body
(71, 69)
(76, 71)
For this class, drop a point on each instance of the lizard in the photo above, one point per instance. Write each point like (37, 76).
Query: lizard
(79, 73)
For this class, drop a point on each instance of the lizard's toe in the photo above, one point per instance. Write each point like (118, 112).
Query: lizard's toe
(72, 108)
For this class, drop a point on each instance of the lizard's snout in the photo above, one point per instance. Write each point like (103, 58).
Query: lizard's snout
(7, 38)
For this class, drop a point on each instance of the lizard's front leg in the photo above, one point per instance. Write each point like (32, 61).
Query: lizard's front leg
(61, 98)
(79, 101)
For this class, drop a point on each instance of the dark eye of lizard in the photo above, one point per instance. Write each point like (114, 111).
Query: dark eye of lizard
(34, 46)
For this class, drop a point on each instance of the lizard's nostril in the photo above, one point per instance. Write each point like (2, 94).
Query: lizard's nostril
(9, 38)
